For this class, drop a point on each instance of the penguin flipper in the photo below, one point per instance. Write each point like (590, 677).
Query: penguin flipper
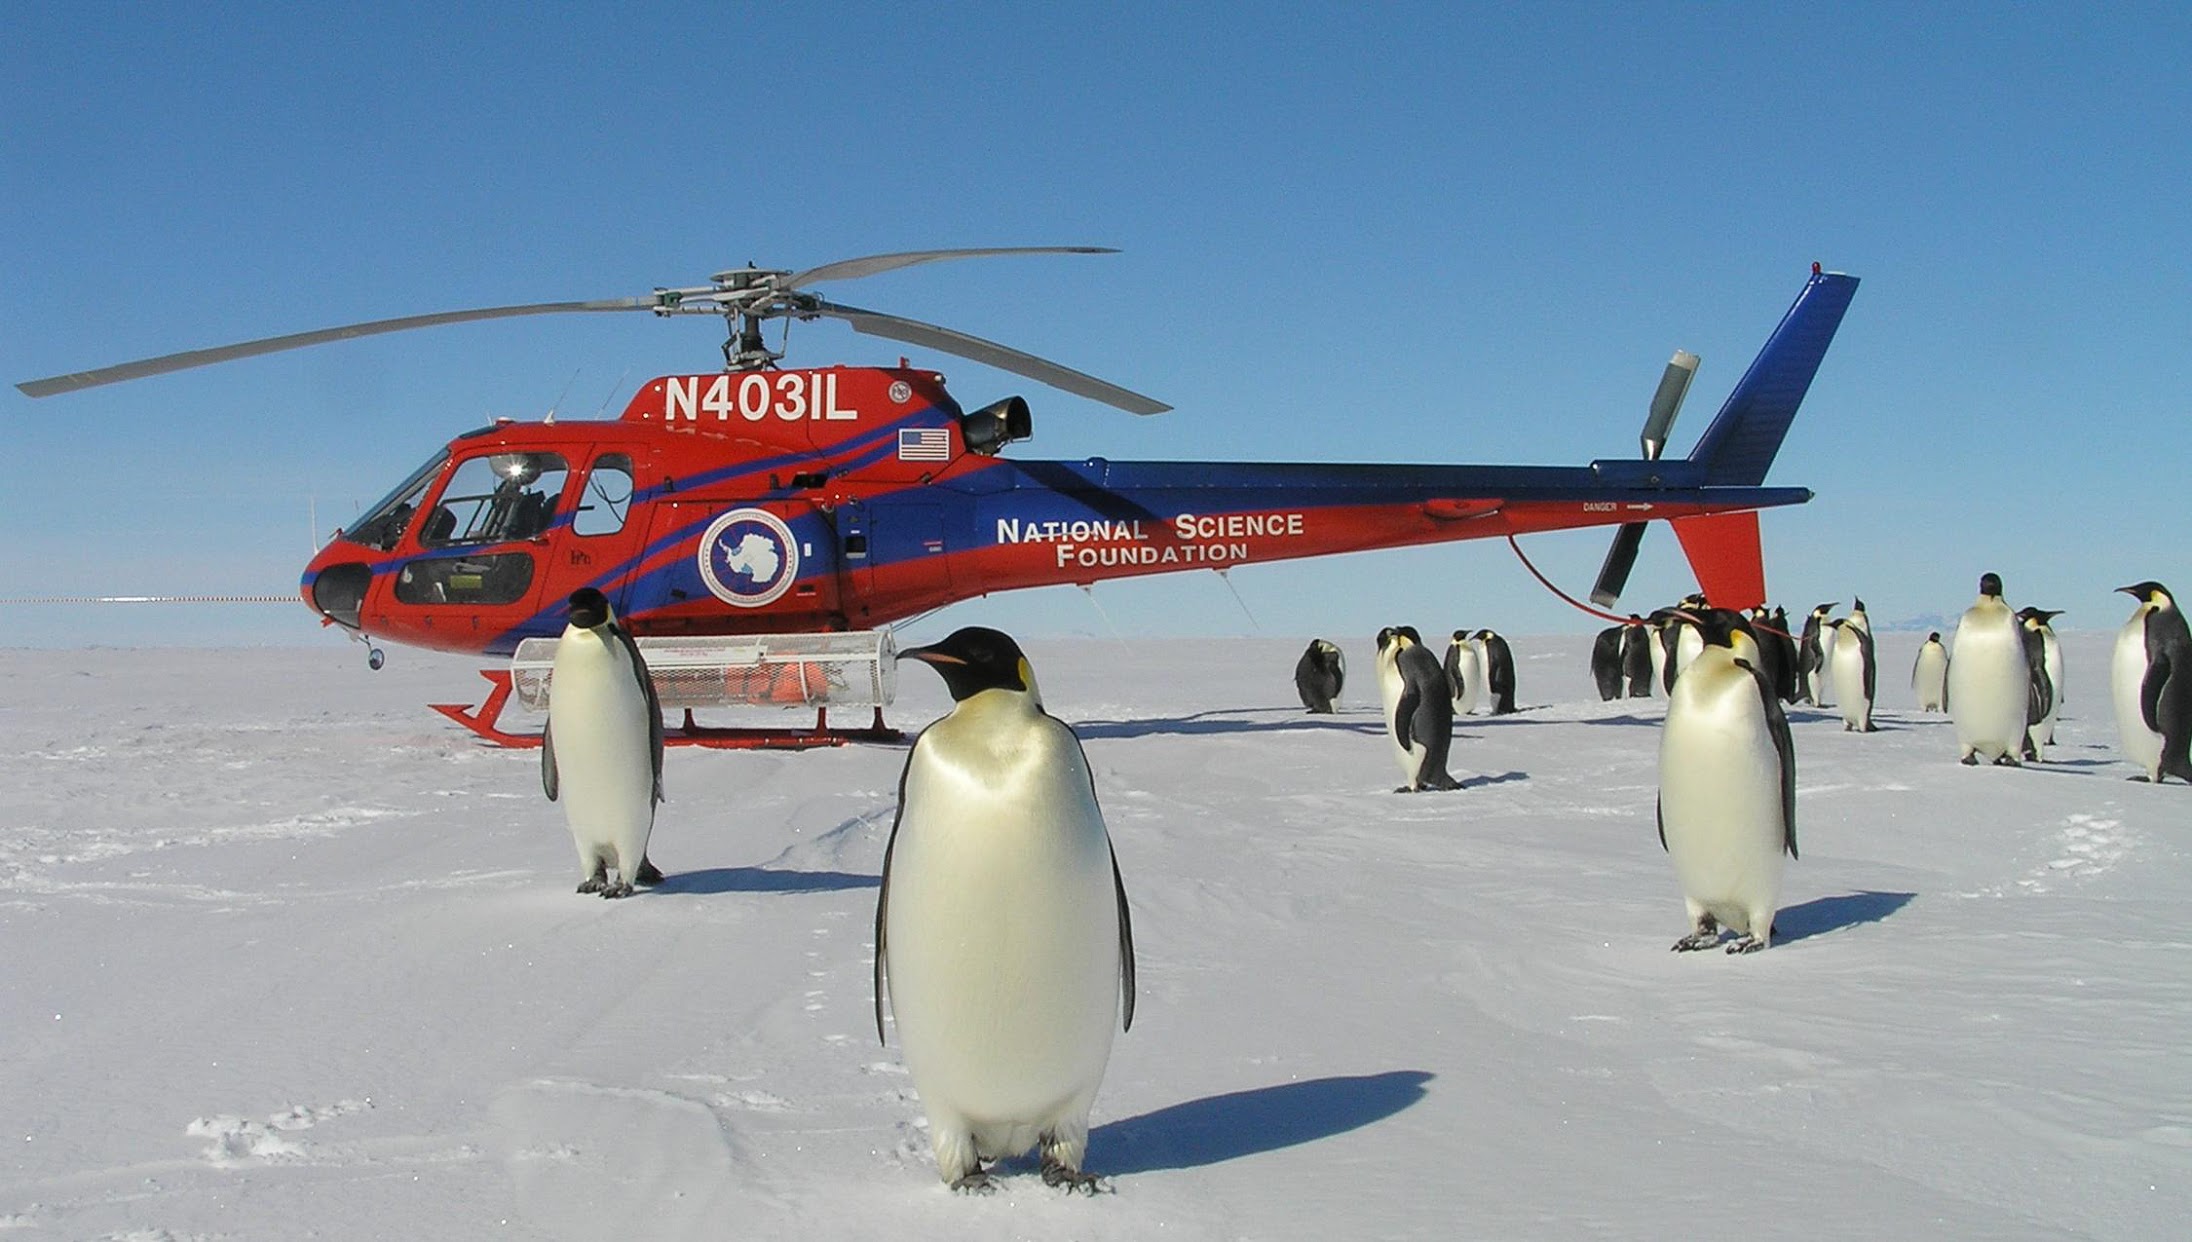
(2150, 690)
(654, 702)
(548, 782)
(1864, 648)
(1404, 714)
(1784, 746)
(882, 894)
(1659, 812)
(1126, 944)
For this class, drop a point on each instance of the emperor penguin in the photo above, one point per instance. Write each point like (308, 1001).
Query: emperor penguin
(1319, 675)
(1811, 656)
(1852, 666)
(1499, 671)
(1727, 789)
(2151, 676)
(1776, 634)
(1929, 676)
(1606, 662)
(1989, 680)
(1636, 657)
(1002, 937)
(1769, 649)
(1655, 629)
(1685, 644)
(1419, 715)
(601, 753)
(2044, 664)
(1464, 672)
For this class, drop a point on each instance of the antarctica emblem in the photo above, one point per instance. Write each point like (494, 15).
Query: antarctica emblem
(748, 558)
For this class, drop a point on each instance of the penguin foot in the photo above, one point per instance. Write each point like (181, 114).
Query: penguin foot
(1970, 759)
(978, 1182)
(2007, 760)
(649, 875)
(594, 883)
(1704, 938)
(618, 889)
(1405, 789)
(1073, 1180)
(1746, 944)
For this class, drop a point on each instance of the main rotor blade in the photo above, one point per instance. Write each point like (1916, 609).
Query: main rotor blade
(1613, 575)
(274, 344)
(854, 269)
(1003, 357)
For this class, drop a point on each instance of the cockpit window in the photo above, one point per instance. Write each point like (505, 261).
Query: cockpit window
(383, 524)
(496, 497)
(607, 498)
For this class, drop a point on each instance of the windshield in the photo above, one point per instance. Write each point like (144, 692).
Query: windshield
(383, 524)
(496, 497)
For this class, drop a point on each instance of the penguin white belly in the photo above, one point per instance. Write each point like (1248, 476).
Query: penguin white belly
(1658, 643)
(1688, 645)
(1930, 679)
(1988, 689)
(1848, 663)
(1390, 686)
(1822, 678)
(1002, 927)
(2126, 671)
(1720, 804)
(597, 717)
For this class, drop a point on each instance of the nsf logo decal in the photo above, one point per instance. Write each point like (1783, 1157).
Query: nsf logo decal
(748, 558)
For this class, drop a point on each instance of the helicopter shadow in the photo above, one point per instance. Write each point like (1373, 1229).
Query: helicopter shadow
(1221, 721)
(1821, 915)
(1218, 1128)
(714, 880)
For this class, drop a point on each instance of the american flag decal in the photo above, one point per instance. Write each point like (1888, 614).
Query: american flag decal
(924, 444)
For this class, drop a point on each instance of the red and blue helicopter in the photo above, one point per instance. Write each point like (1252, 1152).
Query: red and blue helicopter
(765, 500)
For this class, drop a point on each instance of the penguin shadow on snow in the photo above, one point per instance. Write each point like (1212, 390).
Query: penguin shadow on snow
(1224, 720)
(1821, 915)
(1219, 1128)
(1504, 778)
(714, 880)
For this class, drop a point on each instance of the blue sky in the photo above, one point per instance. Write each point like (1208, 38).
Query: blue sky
(1453, 233)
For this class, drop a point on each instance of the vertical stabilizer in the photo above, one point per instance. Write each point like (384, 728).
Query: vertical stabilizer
(1739, 446)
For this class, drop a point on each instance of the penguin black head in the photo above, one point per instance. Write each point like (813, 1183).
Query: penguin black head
(1408, 632)
(589, 608)
(975, 659)
(2148, 592)
(1933, 636)
(1990, 585)
(1719, 626)
(1823, 609)
(1461, 636)
(1857, 605)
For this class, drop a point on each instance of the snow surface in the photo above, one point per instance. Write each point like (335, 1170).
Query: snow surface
(288, 956)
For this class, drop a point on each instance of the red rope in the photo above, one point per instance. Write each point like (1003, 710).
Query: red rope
(1603, 615)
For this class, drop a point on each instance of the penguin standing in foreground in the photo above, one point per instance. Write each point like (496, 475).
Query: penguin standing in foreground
(1419, 714)
(2152, 673)
(1499, 671)
(1727, 789)
(1854, 675)
(1464, 672)
(1989, 680)
(1319, 675)
(1606, 662)
(2044, 664)
(601, 753)
(1636, 657)
(1929, 675)
(1002, 937)
(1811, 657)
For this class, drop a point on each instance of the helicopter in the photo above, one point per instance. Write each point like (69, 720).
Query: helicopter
(761, 507)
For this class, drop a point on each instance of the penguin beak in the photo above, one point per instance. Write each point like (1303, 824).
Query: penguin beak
(929, 655)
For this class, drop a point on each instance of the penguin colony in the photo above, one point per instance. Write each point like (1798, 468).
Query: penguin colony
(1004, 944)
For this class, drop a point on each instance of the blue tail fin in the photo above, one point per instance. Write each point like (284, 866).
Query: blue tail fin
(1739, 446)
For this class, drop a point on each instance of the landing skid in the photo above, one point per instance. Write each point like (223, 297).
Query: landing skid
(483, 722)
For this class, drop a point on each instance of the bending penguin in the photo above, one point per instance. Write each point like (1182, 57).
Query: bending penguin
(1854, 677)
(2151, 676)
(1811, 657)
(2044, 664)
(1989, 680)
(1727, 789)
(1419, 717)
(1636, 657)
(1002, 937)
(1319, 675)
(1929, 675)
(1606, 662)
(601, 753)
(1464, 672)
(1499, 671)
